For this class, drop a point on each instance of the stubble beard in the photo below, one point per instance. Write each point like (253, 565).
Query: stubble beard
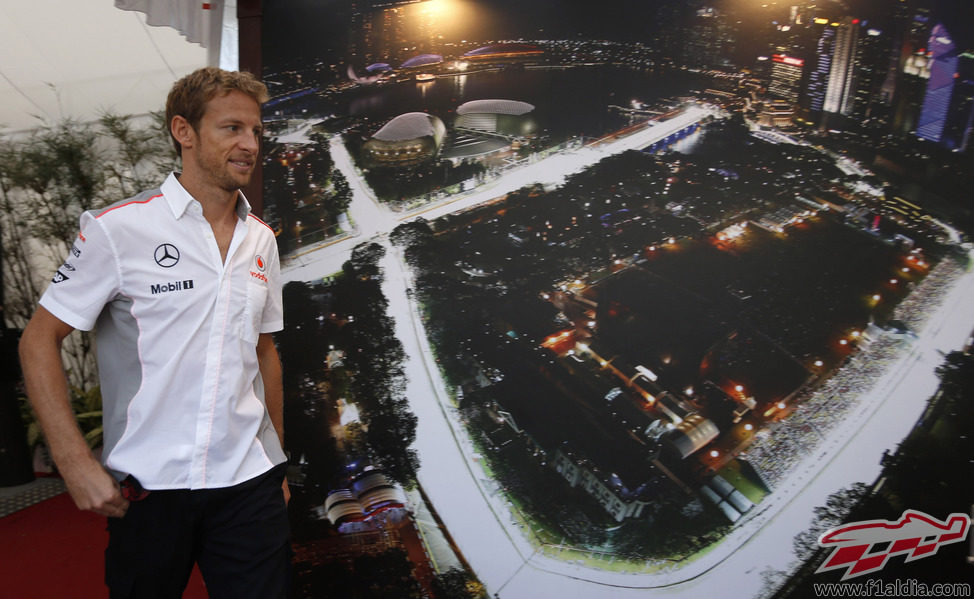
(219, 173)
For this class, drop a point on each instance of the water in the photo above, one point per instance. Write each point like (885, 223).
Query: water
(568, 101)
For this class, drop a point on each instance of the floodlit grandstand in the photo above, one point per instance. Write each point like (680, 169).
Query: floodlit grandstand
(371, 492)
(342, 506)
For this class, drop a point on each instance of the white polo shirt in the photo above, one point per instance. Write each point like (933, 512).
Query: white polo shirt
(176, 333)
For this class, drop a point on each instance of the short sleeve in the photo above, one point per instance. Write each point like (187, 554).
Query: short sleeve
(87, 280)
(272, 319)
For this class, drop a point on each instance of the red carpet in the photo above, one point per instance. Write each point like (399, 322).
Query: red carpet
(52, 550)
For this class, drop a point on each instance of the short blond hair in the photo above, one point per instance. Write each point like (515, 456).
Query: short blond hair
(189, 95)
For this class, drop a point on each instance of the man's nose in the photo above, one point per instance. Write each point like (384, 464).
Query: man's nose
(250, 142)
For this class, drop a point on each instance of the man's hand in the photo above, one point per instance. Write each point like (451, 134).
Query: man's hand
(287, 491)
(92, 488)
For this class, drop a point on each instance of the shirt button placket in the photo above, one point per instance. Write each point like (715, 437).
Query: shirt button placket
(212, 361)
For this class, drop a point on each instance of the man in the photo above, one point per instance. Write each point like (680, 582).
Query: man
(182, 286)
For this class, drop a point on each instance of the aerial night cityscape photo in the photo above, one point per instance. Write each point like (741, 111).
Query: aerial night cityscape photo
(625, 299)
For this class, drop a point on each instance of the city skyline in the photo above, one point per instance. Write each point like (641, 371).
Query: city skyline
(637, 284)
(617, 20)
(822, 63)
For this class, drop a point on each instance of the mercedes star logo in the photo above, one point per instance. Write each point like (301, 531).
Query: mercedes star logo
(167, 255)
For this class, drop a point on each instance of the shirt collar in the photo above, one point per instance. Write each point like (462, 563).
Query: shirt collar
(180, 200)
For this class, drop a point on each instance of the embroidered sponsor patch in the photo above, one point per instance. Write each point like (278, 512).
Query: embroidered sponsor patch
(166, 255)
(171, 286)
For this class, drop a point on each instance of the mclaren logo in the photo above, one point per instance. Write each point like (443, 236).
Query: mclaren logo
(166, 255)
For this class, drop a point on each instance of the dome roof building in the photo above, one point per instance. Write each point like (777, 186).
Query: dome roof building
(512, 107)
(504, 117)
(423, 60)
(406, 140)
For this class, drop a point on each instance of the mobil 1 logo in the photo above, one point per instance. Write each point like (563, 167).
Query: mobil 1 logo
(171, 286)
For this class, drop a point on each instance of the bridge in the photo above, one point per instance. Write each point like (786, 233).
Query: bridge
(661, 132)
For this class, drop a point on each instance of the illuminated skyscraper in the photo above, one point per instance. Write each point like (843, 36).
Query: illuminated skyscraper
(960, 119)
(710, 40)
(940, 86)
(786, 76)
(379, 31)
(839, 94)
(818, 79)
(912, 72)
(946, 114)
(872, 62)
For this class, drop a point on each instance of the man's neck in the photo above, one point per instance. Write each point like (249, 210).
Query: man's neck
(219, 205)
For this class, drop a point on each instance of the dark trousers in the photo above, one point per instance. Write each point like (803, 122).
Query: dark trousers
(238, 535)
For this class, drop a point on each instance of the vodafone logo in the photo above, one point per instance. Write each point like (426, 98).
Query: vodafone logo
(260, 264)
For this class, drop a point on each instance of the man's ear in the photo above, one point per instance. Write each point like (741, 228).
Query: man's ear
(182, 131)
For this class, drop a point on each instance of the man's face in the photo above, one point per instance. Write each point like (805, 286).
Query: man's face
(229, 140)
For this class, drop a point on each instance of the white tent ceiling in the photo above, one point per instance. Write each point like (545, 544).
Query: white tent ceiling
(78, 58)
